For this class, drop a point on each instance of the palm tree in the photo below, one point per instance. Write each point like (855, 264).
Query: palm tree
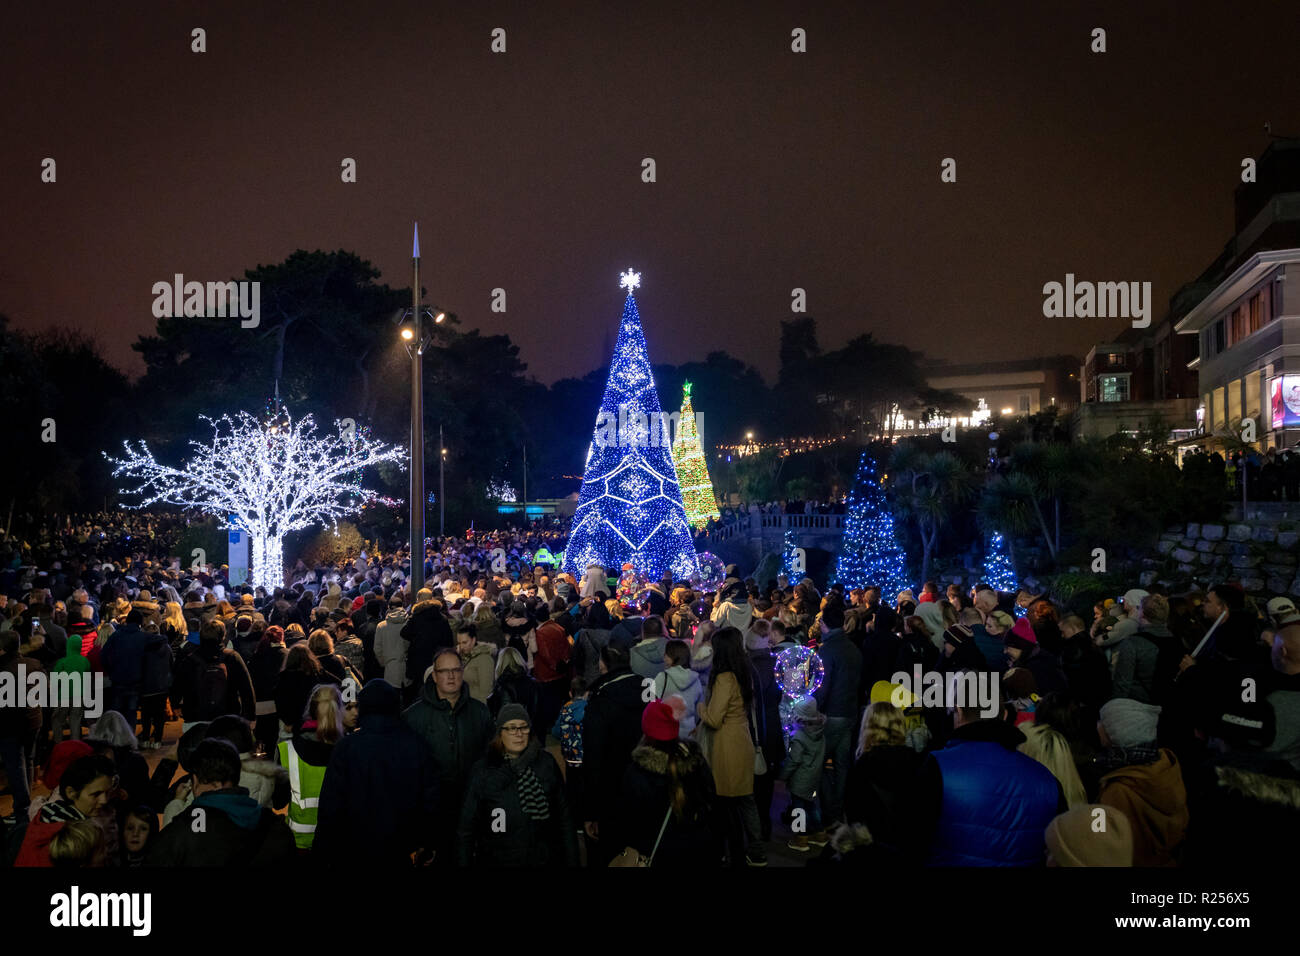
(1007, 505)
(928, 489)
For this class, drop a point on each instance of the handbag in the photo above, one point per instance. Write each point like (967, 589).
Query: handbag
(760, 762)
(631, 856)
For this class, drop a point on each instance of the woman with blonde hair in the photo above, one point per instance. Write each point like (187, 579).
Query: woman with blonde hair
(880, 781)
(513, 684)
(1050, 748)
(306, 755)
(173, 625)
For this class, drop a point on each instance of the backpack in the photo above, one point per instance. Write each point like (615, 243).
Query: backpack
(213, 686)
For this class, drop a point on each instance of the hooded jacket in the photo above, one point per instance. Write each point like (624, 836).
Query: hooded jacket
(1134, 661)
(1154, 800)
(1242, 800)
(391, 648)
(647, 656)
(480, 671)
(487, 838)
(803, 767)
(236, 831)
(690, 840)
(678, 681)
(261, 778)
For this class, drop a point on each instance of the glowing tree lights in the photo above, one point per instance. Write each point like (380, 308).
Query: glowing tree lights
(998, 572)
(870, 553)
(630, 507)
(269, 477)
(693, 474)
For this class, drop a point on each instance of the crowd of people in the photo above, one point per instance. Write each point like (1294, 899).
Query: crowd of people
(508, 714)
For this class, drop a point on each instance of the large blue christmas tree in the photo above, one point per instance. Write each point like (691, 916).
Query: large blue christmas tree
(630, 507)
(870, 553)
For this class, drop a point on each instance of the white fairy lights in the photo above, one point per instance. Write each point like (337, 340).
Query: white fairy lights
(270, 480)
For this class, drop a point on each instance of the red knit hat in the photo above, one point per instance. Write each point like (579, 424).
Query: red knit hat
(658, 721)
(61, 756)
(1022, 635)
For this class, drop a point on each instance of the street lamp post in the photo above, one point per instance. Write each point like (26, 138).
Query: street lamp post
(416, 342)
(442, 505)
(417, 424)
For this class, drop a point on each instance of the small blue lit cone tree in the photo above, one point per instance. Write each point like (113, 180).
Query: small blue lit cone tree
(998, 571)
(630, 506)
(870, 553)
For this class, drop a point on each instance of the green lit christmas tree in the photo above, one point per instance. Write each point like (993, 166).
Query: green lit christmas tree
(692, 471)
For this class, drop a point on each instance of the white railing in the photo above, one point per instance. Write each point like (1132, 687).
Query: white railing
(743, 525)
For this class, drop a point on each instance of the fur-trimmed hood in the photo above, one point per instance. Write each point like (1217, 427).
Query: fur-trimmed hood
(1278, 791)
(261, 767)
(655, 761)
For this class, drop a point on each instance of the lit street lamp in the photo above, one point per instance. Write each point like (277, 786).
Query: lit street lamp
(416, 342)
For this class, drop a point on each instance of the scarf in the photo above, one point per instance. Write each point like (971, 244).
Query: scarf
(531, 795)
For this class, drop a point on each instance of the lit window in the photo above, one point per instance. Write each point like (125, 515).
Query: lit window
(1113, 388)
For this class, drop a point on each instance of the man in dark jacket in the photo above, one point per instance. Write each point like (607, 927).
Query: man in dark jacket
(212, 680)
(837, 698)
(426, 632)
(982, 803)
(1144, 666)
(379, 802)
(456, 729)
(123, 662)
(365, 630)
(1022, 650)
(611, 729)
(224, 826)
(767, 720)
(1084, 664)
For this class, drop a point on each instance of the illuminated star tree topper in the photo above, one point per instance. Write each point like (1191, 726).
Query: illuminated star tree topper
(271, 478)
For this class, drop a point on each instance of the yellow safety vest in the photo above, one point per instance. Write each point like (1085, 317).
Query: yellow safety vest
(304, 788)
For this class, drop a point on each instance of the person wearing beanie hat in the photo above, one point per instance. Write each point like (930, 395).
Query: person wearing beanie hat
(1075, 838)
(960, 651)
(379, 799)
(660, 722)
(1023, 650)
(515, 812)
(663, 811)
(1143, 781)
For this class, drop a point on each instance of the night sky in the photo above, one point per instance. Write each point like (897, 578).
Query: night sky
(775, 169)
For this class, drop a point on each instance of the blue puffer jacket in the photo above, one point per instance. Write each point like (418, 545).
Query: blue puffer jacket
(996, 802)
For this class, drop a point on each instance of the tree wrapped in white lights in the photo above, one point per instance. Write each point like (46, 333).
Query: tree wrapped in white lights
(272, 478)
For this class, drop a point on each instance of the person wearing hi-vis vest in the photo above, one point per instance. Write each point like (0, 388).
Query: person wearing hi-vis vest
(306, 754)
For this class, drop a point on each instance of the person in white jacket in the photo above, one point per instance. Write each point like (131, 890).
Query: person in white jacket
(390, 648)
(594, 579)
(678, 680)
